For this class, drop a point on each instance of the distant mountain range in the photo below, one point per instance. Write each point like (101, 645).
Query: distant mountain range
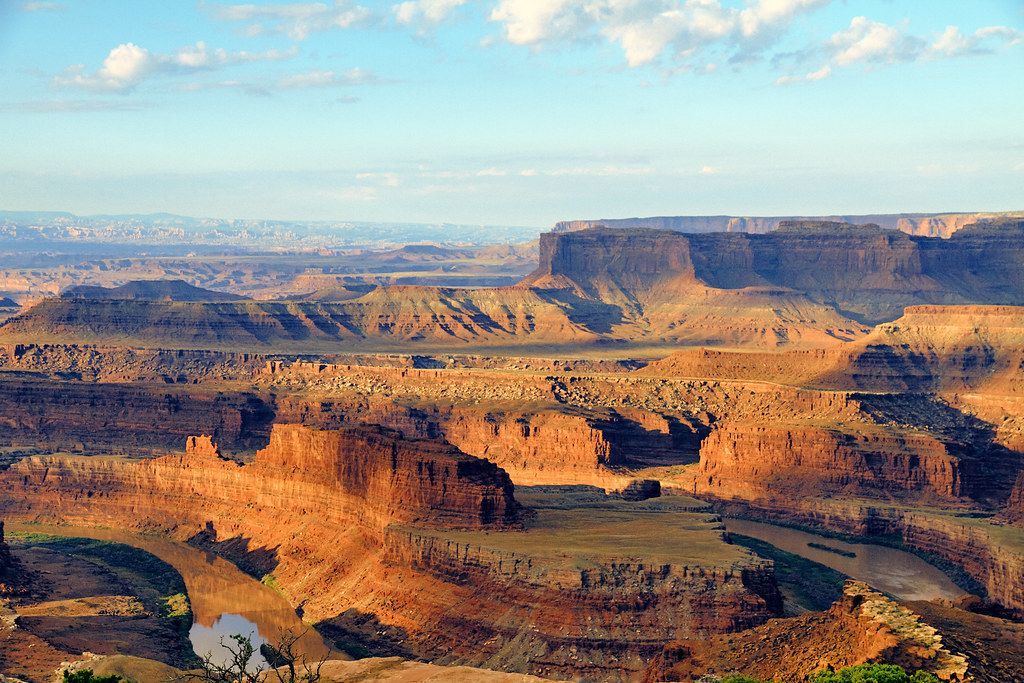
(922, 224)
(28, 229)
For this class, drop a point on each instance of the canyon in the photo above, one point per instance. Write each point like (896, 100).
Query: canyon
(363, 520)
(529, 477)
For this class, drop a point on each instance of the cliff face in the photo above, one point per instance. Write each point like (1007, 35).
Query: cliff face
(787, 461)
(1014, 511)
(358, 523)
(361, 473)
(128, 415)
(427, 482)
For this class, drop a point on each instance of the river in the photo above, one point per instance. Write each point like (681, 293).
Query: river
(896, 572)
(225, 600)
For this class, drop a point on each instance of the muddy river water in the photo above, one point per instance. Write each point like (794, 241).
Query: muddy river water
(225, 601)
(901, 574)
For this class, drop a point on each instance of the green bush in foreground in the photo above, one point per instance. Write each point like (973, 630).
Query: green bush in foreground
(862, 673)
(873, 673)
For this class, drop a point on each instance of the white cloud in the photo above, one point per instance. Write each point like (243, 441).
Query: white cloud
(425, 13)
(296, 20)
(128, 64)
(124, 67)
(866, 41)
(774, 13)
(645, 29)
(529, 22)
(710, 170)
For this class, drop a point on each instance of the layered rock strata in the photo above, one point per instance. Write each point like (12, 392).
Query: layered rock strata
(783, 461)
(357, 522)
(862, 627)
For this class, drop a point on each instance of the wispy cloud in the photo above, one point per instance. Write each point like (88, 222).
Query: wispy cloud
(296, 20)
(128, 65)
(872, 44)
(43, 7)
(823, 72)
(425, 14)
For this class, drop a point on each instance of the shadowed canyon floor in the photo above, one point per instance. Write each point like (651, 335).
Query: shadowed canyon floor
(472, 476)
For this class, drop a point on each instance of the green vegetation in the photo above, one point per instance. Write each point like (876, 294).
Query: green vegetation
(87, 676)
(861, 673)
(803, 583)
(176, 605)
(270, 581)
(873, 673)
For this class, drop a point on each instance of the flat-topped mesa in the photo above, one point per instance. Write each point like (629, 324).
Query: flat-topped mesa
(864, 269)
(634, 259)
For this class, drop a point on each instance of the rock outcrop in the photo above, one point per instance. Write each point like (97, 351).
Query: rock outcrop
(862, 627)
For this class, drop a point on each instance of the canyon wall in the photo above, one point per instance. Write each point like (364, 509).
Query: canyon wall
(358, 524)
(785, 461)
(365, 474)
(63, 414)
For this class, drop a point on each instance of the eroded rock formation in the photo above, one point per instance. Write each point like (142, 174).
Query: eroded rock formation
(359, 521)
(862, 627)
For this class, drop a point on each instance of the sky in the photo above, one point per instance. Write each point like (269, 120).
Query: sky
(511, 112)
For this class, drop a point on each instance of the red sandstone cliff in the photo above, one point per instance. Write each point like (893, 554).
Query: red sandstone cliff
(356, 522)
(758, 461)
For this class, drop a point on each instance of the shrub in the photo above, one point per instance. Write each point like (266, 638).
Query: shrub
(873, 673)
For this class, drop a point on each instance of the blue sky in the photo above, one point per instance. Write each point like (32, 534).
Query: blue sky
(512, 112)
